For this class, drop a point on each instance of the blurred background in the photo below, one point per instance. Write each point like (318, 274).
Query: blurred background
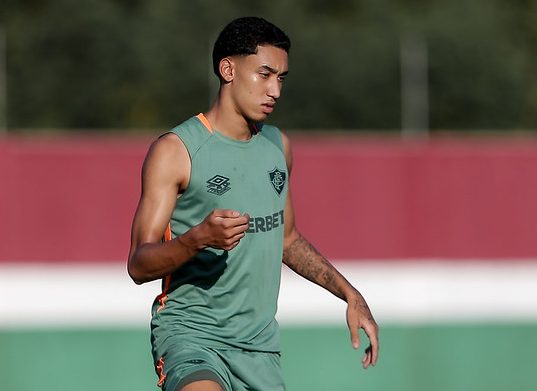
(413, 125)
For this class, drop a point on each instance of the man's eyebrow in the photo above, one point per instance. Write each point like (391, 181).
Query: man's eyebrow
(273, 70)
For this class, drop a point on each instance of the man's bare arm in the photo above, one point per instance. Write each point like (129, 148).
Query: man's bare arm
(304, 259)
(165, 174)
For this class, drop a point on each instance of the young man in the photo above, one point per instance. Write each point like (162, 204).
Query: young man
(216, 188)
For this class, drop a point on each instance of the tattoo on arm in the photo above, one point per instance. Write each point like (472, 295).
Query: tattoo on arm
(305, 260)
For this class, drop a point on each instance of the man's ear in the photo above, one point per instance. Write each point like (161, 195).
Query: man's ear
(226, 68)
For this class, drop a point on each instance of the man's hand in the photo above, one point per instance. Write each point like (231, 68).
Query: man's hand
(359, 317)
(222, 228)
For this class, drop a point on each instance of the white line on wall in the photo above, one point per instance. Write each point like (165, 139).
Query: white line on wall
(414, 292)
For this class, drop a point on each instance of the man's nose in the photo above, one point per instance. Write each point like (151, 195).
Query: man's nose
(275, 88)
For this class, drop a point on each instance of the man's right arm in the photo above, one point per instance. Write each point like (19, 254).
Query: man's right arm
(165, 174)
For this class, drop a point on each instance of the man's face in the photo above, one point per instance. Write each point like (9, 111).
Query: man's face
(257, 81)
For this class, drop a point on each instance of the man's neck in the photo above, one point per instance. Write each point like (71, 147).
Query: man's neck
(228, 121)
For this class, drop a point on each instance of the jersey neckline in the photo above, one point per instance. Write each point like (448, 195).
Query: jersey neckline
(241, 143)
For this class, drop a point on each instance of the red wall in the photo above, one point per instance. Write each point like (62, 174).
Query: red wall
(73, 199)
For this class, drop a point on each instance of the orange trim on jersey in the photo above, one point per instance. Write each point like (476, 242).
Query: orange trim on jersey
(164, 295)
(168, 233)
(160, 372)
(205, 122)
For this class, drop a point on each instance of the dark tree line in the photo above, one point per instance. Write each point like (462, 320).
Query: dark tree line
(137, 64)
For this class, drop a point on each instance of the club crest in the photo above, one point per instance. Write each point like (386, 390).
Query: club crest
(277, 179)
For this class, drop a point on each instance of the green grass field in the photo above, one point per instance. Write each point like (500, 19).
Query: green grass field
(424, 358)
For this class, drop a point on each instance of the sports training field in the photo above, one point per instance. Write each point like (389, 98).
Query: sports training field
(438, 237)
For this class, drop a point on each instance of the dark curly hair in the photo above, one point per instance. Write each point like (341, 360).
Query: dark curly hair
(242, 36)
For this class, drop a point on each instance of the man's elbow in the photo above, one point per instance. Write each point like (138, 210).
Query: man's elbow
(135, 274)
(290, 238)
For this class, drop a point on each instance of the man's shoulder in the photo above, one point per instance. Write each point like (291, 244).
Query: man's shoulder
(167, 147)
(192, 124)
(191, 132)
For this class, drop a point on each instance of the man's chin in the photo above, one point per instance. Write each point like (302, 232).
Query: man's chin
(261, 117)
(256, 115)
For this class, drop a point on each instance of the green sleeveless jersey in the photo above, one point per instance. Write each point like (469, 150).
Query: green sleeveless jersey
(227, 299)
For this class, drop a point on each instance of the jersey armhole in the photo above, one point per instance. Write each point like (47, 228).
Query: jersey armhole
(189, 157)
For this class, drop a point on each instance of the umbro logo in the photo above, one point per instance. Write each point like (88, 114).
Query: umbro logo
(218, 185)
(277, 179)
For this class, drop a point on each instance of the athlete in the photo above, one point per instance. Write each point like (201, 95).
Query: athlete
(214, 222)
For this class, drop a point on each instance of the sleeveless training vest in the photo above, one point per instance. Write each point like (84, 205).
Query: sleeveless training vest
(227, 299)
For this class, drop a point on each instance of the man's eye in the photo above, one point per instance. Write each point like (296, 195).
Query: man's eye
(264, 75)
(281, 78)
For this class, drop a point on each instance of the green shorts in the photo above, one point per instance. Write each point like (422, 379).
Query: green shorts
(234, 370)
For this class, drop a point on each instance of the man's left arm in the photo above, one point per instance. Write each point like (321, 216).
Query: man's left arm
(300, 256)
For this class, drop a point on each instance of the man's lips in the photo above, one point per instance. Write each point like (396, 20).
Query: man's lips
(268, 107)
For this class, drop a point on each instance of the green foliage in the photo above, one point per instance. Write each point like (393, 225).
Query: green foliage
(146, 64)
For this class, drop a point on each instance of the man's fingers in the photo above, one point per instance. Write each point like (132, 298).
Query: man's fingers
(359, 317)
(367, 360)
(226, 213)
(225, 228)
(236, 238)
(231, 218)
(372, 333)
(230, 247)
(233, 227)
(374, 353)
(231, 243)
(355, 337)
